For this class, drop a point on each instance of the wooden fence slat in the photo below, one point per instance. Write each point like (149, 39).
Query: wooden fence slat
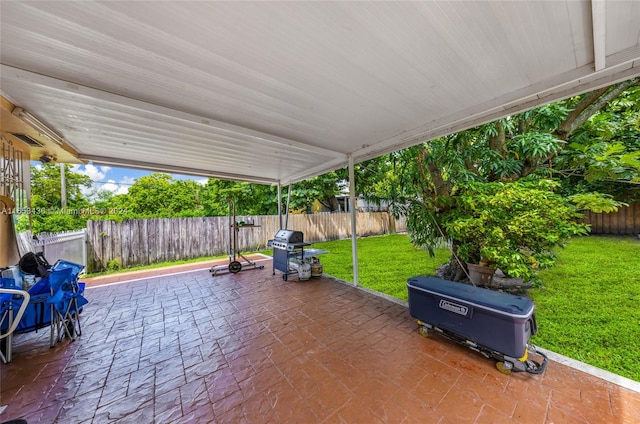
(107, 238)
(628, 219)
(162, 248)
(126, 233)
(152, 241)
(144, 242)
(621, 222)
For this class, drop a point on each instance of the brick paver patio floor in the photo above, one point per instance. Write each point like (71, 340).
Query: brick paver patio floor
(252, 348)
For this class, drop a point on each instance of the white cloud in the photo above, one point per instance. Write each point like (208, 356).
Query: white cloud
(202, 181)
(127, 180)
(114, 187)
(121, 187)
(96, 173)
(110, 186)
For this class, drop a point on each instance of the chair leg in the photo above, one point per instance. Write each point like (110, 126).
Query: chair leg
(58, 327)
(9, 338)
(68, 321)
(79, 332)
(53, 326)
(76, 317)
(5, 343)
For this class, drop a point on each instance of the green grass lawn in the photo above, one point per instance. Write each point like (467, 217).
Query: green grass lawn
(588, 308)
(385, 262)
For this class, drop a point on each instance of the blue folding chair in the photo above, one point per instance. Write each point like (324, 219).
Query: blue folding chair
(47, 297)
(68, 310)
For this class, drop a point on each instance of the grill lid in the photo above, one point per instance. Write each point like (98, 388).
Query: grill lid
(289, 236)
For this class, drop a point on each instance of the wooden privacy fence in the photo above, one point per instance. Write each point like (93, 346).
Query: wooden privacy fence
(625, 221)
(148, 241)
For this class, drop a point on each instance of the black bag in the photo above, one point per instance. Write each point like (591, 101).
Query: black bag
(34, 264)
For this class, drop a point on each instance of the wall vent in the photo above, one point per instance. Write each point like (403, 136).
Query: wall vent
(27, 139)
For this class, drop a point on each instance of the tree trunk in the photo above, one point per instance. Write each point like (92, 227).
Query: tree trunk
(498, 143)
(586, 107)
(454, 270)
(589, 105)
(333, 204)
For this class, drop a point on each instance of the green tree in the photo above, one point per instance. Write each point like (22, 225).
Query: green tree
(250, 199)
(387, 179)
(513, 226)
(160, 196)
(258, 199)
(48, 215)
(379, 181)
(603, 155)
(534, 145)
(323, 188)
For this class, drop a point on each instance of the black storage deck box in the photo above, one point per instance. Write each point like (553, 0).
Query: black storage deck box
(495, 320)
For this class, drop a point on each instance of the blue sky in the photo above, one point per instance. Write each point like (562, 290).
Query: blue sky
(118, 180)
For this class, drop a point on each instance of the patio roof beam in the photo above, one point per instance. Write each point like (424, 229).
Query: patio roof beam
(148, 166)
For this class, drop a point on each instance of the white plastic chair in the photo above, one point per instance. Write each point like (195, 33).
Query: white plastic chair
(8, 303)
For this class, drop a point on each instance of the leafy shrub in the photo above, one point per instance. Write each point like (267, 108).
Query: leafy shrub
(513, 226)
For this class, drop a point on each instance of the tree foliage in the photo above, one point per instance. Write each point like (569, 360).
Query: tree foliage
(512, 225)
(323, 188)
(593, 137)
(250, 199)
(160, 196)
(603, 155)
(46, 212)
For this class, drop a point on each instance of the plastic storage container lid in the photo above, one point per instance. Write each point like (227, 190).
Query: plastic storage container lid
(507, 303)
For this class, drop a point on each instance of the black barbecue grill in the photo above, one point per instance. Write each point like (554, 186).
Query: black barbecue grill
(287, 245)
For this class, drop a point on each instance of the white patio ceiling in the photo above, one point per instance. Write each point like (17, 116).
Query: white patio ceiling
(276, 92)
